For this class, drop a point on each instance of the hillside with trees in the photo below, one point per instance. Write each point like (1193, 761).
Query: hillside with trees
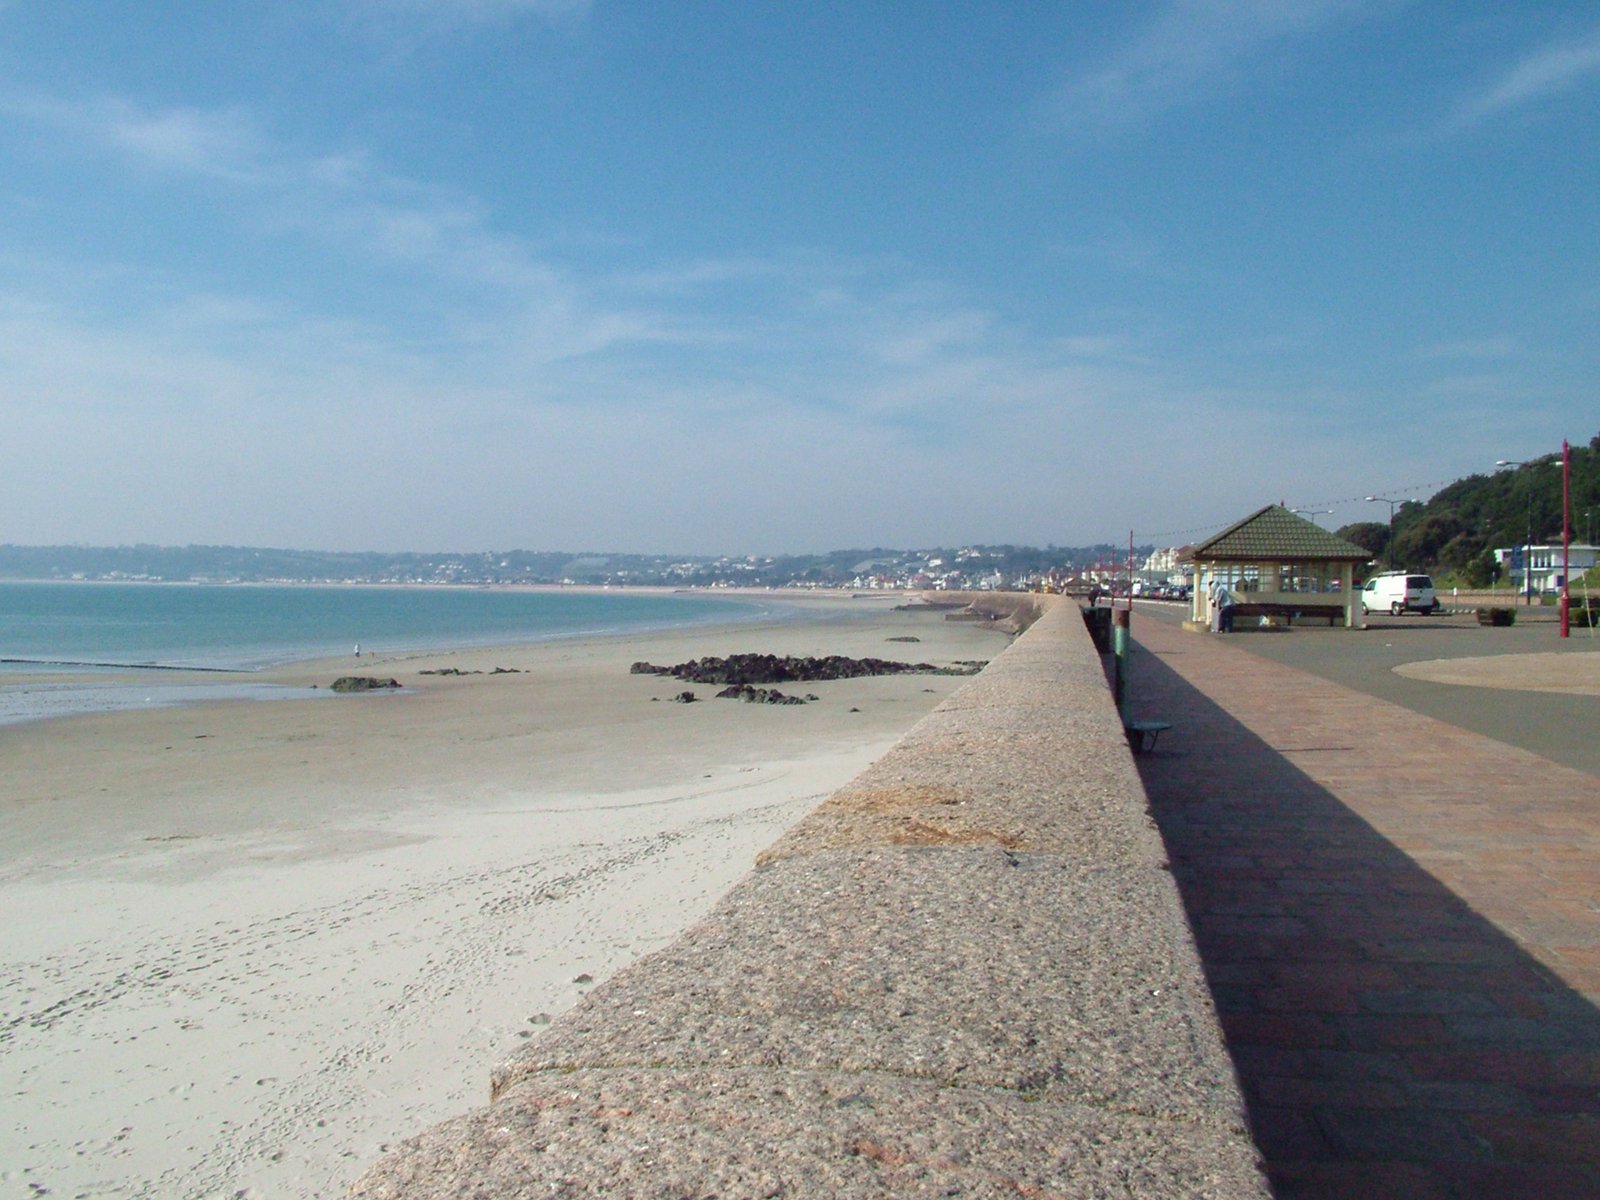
(1454, 534)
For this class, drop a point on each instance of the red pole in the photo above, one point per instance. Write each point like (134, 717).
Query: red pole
(1566, 538)
(1130, 572)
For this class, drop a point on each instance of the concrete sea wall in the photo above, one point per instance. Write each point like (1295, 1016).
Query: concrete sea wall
(967, 973)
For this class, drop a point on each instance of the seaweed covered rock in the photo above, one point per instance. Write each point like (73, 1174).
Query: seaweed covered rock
(755, 695)
(756, 669)
(363, 683)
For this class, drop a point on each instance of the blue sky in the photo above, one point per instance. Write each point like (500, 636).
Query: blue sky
(772, 277)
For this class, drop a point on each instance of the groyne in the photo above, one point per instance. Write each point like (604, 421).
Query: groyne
(967, 973)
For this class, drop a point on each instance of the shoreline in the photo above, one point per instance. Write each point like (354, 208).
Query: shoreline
(106, 686)
(254, 944)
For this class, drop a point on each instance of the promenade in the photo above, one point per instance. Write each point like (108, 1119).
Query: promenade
(1399, 918)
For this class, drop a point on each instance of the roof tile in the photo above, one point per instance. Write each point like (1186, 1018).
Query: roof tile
(1274, 534)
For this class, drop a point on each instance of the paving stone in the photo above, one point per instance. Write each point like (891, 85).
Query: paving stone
(1442, 894)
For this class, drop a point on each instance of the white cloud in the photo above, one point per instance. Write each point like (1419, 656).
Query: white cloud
(1547, 72)
(220, 143)
(1191, 51)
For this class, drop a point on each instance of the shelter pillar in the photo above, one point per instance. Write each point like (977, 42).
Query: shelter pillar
(1352, 599)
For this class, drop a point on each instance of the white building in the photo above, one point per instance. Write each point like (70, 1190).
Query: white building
(1161, 563)
(1546, 563)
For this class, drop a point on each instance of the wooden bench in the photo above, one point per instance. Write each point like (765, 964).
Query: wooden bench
(1142, 735)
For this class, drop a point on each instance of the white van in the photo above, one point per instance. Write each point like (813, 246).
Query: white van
(1398, 592)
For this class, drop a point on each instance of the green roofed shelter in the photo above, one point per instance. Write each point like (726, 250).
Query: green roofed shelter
(1277, 560)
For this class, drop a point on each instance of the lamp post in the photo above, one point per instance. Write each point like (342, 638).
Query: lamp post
(1527, 562)
(1566, 538)
(1312, 512)
(1388, 550)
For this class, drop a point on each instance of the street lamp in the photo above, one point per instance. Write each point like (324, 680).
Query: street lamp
(1389, 550)
(1312, 512)
(1566, 538)
(1527, 562)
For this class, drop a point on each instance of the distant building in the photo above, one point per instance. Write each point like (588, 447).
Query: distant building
(1545, 561)
(1161, 563)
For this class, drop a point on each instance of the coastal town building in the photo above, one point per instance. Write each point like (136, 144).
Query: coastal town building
(1165, 565)
(1544, 564)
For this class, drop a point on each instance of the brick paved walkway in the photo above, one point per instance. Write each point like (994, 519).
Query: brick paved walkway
(1400, 921)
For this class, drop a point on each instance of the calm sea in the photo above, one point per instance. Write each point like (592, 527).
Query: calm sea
(249, 627)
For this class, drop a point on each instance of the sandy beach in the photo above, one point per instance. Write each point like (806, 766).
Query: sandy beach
(249, 945)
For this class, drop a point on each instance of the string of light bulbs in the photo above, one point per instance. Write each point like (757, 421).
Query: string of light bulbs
(1168, 534)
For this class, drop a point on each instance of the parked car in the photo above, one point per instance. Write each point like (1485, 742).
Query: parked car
(1399, 592)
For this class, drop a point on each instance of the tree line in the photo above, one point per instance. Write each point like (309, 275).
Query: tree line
(1455, 533)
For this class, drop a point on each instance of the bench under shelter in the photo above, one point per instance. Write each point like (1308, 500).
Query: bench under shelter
(1280, 568)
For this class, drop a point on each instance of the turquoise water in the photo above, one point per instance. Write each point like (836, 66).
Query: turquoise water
(249, 627)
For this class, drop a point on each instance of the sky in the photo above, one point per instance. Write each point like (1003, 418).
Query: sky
(759, 277)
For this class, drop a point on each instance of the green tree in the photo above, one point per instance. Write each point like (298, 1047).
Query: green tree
(1371, 536)
(1481, 570)
(1421, 544)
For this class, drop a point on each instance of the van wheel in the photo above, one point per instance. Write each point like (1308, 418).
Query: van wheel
(1365, 611)
(1396, 609)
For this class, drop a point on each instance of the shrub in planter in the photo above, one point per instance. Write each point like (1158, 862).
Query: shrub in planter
(1497, 616)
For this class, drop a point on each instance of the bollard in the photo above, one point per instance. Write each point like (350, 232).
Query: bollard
(1120, 649)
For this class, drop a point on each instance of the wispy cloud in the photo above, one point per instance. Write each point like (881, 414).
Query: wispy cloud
(468, 301)
(1482, 348)
(336, 195)
(465, 11)
(217, 143)
(1547, 72)
(1192, 50)
(402, 29)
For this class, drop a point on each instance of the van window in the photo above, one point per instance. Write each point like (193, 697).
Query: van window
(1372, 586)
(1418, 581)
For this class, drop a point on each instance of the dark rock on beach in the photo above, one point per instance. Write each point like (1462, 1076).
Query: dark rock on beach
(754, 669)
(755, 695)
(363, 683)
(459, 671)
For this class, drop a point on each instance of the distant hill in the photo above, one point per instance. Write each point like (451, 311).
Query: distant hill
(1454, 533)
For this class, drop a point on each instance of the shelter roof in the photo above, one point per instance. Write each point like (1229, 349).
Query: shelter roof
(1274, 534)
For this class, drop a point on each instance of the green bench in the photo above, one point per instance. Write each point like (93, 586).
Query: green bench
(1288, 612)
(1142, 735)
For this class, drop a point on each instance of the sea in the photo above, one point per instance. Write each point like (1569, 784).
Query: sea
(109, 636)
